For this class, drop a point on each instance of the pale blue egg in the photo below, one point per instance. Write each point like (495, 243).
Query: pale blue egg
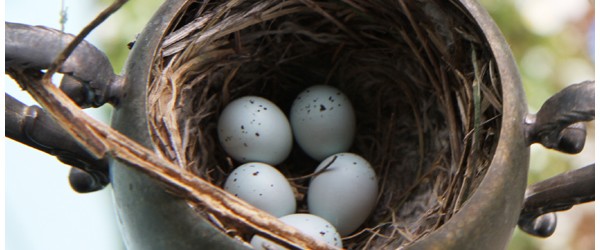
(344, 192)
(309, 224)
(263, 186)
(323, 121)
(253, 128)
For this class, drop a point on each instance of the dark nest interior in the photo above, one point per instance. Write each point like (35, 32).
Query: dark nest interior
(420, 75)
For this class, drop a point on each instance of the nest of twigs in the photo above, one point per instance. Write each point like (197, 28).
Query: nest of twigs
(421, 78)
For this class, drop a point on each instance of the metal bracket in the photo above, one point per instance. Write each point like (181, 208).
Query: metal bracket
(558, 125)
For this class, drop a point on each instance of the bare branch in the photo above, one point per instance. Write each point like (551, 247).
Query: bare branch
(60, 59)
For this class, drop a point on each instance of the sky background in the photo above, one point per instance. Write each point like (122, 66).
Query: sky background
(549, 38)
(42, 212)
(41, 209)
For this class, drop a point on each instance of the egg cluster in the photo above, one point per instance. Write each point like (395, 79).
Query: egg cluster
(343, 191)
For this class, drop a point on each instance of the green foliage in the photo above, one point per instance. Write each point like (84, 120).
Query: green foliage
(123, 27)
(542, 58)
(546, 64)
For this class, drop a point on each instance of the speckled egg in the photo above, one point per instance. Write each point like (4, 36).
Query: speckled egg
(344, 192)
(263, 186)
(309, 224)
(323, 121)
(252, 128)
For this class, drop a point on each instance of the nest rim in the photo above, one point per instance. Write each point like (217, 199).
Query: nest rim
(501, 129)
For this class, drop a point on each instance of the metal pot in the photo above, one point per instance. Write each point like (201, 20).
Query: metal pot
(150, 218)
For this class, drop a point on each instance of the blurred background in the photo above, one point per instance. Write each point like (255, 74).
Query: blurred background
(552, 42)
(41, 210)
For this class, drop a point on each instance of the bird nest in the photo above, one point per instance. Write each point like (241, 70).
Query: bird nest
(420, 75)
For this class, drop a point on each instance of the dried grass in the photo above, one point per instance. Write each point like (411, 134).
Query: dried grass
(422, 81)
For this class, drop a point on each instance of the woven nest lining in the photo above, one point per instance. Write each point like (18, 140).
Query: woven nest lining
(417, 73)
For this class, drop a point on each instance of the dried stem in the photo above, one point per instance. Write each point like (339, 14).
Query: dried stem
(62, 57)
(103, 141)
(403, 64)
(106, 141)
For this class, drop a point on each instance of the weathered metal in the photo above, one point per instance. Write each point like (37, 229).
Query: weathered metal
(33, 127)
(558, 193)
(151, 218)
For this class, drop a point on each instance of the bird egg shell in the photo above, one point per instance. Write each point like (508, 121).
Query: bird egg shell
(323, 121)
(252, 129)
(311, 225)
(263, 186)
(344, 193)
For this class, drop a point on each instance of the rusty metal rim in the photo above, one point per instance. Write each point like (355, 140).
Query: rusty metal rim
(490, 204)
(489, 215)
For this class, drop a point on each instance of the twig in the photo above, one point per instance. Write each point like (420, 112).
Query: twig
(62, 57)
(316, 173)
(63, 16)
(186, 184)
(103, 141)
